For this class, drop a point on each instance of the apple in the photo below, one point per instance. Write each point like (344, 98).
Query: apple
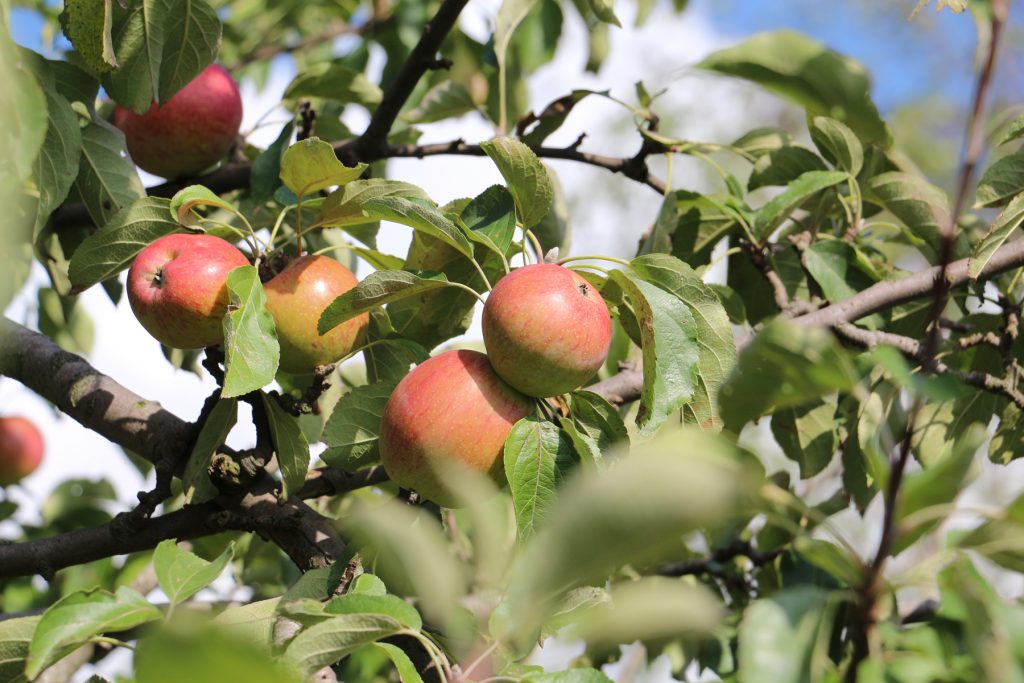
(189, 132)
(451, 407)
(546, 329)
(21, 449)
(296, 297)
(177, 288)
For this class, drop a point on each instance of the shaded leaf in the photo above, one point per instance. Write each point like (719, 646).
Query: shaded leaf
(195, 480)
(1005, 224)
(377, 289)
(421, 217)
(311, 165)
(526, 176)
(1001, 181)
(537, 456)
(837, 143)
(290, 446)
(334, 81)
(780, 207)
(352, 431)
(107, 181)
(182, 574)
(807, 434)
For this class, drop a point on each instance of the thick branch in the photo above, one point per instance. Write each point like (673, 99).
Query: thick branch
(90, 397)
(885, 295)
(709, 565)
(622, 387)
(47, 555)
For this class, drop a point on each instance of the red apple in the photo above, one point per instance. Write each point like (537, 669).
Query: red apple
(546, 329)
(296, 297)
(177, 288)
(451, 407)
(191, 131)
(21, 449)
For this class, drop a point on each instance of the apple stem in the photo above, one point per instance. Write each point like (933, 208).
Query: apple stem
(487, 283)
(468, 289)
(538, 249)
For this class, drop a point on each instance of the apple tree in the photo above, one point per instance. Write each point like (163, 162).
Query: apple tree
(417, 506)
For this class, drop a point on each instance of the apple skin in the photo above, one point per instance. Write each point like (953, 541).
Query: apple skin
(190, 132)
(296, 297)
(452, 407)
(177, 288)
(546, 329)
(21, 449)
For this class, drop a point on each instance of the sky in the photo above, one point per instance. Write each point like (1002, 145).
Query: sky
(908, 60)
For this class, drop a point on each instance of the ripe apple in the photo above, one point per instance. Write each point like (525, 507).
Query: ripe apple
(296, 297)
(191, 131)
(21, 449)
(177, 288)
(451, 407)
(546, 329)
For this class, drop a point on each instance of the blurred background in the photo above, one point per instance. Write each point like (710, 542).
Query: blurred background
(922, 77)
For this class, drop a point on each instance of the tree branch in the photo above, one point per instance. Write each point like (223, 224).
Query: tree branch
(373, 141)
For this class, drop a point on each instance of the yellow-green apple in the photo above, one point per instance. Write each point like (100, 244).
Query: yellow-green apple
(451, 408)
(189, 132)
(546, 329)
(177, 287)
(296, 297)
(21, 449)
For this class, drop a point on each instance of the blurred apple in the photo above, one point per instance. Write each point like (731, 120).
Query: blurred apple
(21, 449)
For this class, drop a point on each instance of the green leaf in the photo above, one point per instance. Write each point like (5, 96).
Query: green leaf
(1001, 181)
(377, 289)
(651, 608)
(807, 434)
(56, 166)
(388, 605)
(510, 16)
(554, 228)
(389, 360)
(594, 425)
(113, 247)
(936, 485)
(311, 165)
(1005, 224)
(762, 140)
(778, 208)
(421, 217)
(290, 446)
(537, 456)
(492, 214)
(332, 640)
(185, 201)
(833, 559)
(343, 208)
(696, 223)
(1008, 439)
(15, 636)
(107, 181)
(182, 574)
(75, 619)
(352, 431)
(1014, 132)
(781, 634)
(251, 349)
(785, 365)
(1000, 538)
(408, 550)
(252, 623)
(837, 143)
(841, 270)
(195, 480)
(568, 676)
(633, 512)
(161, 45)
(716, 347)
(671, 356)
(918, 204)
(266, 168)
(198, 653)
(822, 81)
(407, 672)
(334, 81)
(526, 176)
(446, 100)
(86, 24)
(782, 166)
